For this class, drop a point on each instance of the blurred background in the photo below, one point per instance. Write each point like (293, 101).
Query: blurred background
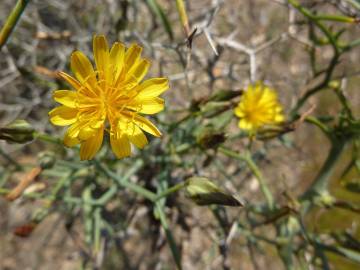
(236, 42)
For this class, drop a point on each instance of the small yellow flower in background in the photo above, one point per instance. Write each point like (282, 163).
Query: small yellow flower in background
(259, 106)
(108, 98)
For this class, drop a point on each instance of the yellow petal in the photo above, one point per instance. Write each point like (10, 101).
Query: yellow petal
(85, 128)
(147, 105)
(63, 116)
(138, 71)
(65, 97)
(77, 85)
(86, 102)
(246, 125)
(70, 141)
(91, 146)
(268, 98)
(138, 138)
(97, 122)
(279, 118)
(70, 80)
(239, 112)
(93, 119)
(74, 130)
(152, 87)
(120, 145)
(101, 55)
(83, 69)
(142, 123)
(117, 56)
(86, 132)
(132, 56)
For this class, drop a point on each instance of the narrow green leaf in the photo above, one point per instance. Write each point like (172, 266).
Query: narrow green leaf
(12, 20)
(159, 212)
(156, 8)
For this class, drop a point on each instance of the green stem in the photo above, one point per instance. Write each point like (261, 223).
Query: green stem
(337, 51)
(351, 45)
(320, 184)
(61, 183)
(51, 198)
(255, 170)
(324, 128)
(88, 212)
(47, 138)
(169, 236)
(10, 160)
(4, 191)
(175, 125)
(354, 3)
(307, 13)
(123, 181)
(113, 189)
(12, 20)
(170, 190)
(329, 71)
(335, 18)
(97, 229)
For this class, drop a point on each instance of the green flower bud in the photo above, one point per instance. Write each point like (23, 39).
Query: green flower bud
(196, 104)
(214, 108)
(335, 84)
(204, 192)
(19, 131)
(293, 225)
(209, 138)
(225, 95)
(324, 199)
(353, 185)
(272, 131)
(46, 160)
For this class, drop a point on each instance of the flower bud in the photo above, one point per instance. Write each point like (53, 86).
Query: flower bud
(204, 192)
(46, 160)
(353, 185)
(225, 95)
(335, 84)
(293, 225)
(196, 104)
(210, 139)
(19, 131)
(324, 199)
(214, 108)
(272, 131)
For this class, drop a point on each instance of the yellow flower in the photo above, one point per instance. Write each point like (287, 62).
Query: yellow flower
(108, 98)
(259, 106)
